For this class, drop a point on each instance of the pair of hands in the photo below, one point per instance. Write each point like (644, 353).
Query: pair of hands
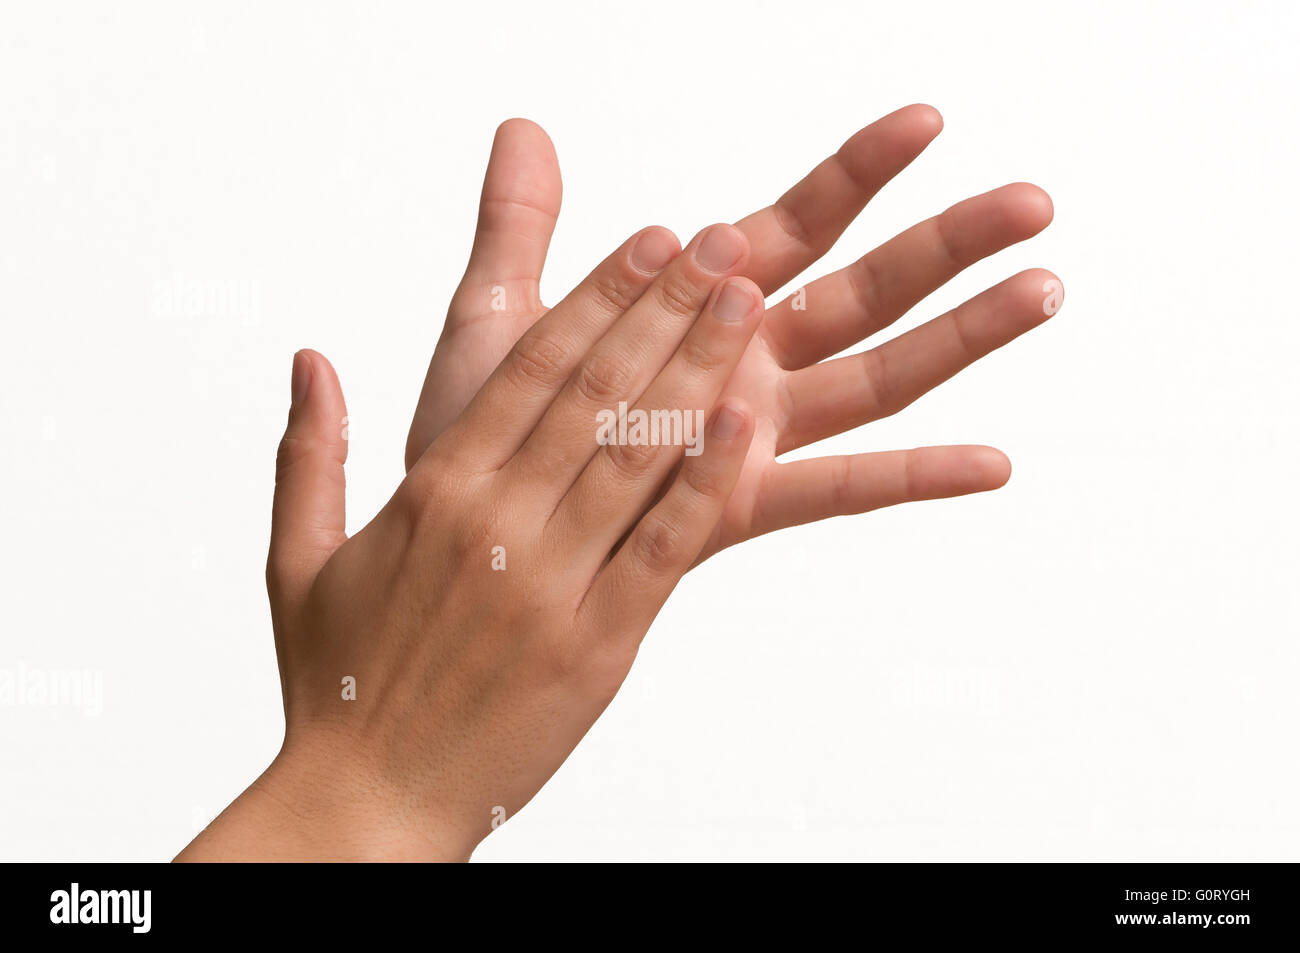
(439, 666)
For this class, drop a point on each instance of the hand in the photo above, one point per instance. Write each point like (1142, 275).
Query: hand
(489, 612)
(796, 400)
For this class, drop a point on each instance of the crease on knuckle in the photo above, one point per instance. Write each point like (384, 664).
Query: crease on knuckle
(615, 293)
(701, 357)
(841, 485)
(793, 226)
(679, 297)
(631, 460)
(864, 281)
(513, 203)
(913, 460)
(704, 481)
(876, 375)
(602, 379)
(962, 341)
(538, 360)
(657, 545)
(947, 228)
(293, 449)
(856, 177)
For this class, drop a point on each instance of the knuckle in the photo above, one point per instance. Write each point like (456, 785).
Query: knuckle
(602, 379)
(292, 450)
(912, 462)
(563, 655)
(790, 223)
(428, 489)
(614, 292)
(604, 667)
(963, 341)
(948, 229)
(480, 532)
(414, 496)
(864, 282)
(631, 460)
(657, 545)
(702, 357)
(704, 481)
(678, 296)
(841, 484)
(538, 360)
(466, 539)
(876, 375)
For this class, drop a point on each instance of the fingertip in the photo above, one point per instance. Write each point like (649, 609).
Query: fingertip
(992, 466)
(720, 248)
(318, 402)
(737, 300)
(1043, 276)
(522, 140)
(1034, 204)
(1039, 292)
(927, 116)
(523, 169)
(300, 379)
(667, 233)
(749, 286)
(320, 364)
(653, 248)
(519, 127)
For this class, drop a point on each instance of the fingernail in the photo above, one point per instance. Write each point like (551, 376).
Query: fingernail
(726, 423)
(301, 377)
(653, 251)
(734, 303)
(720, 248)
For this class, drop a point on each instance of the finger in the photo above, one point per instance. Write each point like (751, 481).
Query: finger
(839, 310)
(307, 515)
(507, 407)
(518, 209)
(803, 224)
(622, 364)
(817, 489)
(500, 289)
(624, 476)
(829, 398)
(636, 582)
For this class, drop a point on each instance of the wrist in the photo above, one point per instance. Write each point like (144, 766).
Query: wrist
(322, 806)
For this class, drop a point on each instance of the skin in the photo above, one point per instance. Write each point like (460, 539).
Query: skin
(796, 400)
(474, 680)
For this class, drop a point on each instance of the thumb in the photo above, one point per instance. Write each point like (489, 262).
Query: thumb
(517, 212)
(307, 516)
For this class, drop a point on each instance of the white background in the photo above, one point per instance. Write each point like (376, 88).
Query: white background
(1097, 662)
